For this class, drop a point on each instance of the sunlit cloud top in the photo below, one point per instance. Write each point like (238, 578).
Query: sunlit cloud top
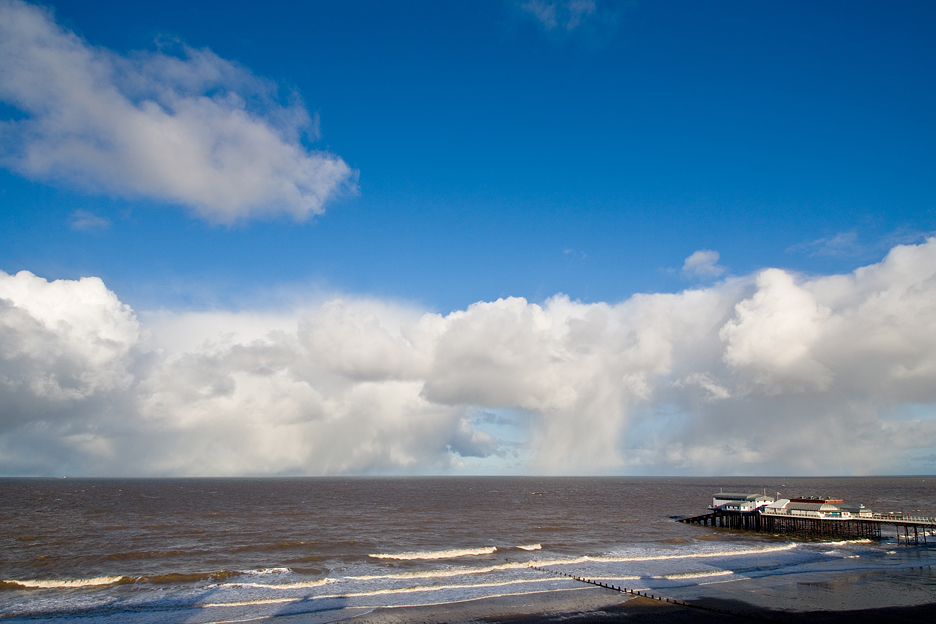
(757, 368)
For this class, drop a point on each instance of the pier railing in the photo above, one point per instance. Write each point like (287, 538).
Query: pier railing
(904, 519)
(909, 529)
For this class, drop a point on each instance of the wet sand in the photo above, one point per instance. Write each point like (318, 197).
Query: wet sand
(637, 611)
(593, 605)
(548, 606)
(603, 607)
(597, 606)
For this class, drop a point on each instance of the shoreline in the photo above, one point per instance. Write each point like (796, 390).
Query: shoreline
(601, 606)
(632, 610)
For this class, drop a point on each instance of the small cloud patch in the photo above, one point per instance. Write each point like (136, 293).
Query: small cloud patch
(591, 20)
(567, 15)
(84, 221)
(843, 244)
(702, 264)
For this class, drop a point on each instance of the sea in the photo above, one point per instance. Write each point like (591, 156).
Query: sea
(221, 550)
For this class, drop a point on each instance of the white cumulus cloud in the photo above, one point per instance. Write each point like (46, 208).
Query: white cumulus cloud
(773, 334)
(194, 129)
(65, 340)
(767, 373)
(702, 264)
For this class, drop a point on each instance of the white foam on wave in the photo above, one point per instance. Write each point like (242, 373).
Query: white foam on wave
(734, 578)
(441, 573)
(431, 588)
(839, 553)
(437, 554)
(617, 578)
(691, 555)
(385, 592)
(531, 547)
(526, 593)
(248, 603)
(88, 582)
(263, 601)
(296, 585)
(693, 575)
(264, 571)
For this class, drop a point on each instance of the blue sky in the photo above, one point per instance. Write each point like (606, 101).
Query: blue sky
(497, 158)
(478, 151)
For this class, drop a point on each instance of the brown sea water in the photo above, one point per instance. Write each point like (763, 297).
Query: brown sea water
(203, 550)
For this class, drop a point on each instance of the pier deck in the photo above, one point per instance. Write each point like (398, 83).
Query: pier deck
(909, 530)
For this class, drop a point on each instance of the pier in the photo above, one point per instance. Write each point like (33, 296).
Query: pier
(811, 517)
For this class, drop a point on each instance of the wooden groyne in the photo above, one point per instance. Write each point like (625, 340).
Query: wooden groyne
(635, 592)
(908, 530)
(623, 590)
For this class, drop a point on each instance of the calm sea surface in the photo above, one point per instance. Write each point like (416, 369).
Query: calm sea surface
(211, 550)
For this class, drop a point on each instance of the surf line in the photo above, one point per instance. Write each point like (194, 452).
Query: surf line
(644, 594)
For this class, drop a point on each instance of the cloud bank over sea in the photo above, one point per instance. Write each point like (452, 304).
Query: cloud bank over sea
(772, 372)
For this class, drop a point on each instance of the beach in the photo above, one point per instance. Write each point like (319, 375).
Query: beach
(646, 611)
(603, 607)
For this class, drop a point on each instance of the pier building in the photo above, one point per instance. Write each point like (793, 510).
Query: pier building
(814, 508)
(732, 501)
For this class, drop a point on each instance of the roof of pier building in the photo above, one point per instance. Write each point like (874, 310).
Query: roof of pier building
(735, 496)
(812, 506)
(734, 501)
(816, 507)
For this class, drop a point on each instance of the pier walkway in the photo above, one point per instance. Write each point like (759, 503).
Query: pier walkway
(908, 529)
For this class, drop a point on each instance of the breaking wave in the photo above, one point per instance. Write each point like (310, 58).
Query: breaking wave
(437, 554)
(661, 557)
(158, 579)
(693, 575)
(441, 573)
(296, 585)
(60, 583)
(261, 571)
(175, 577)
(385, 592)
